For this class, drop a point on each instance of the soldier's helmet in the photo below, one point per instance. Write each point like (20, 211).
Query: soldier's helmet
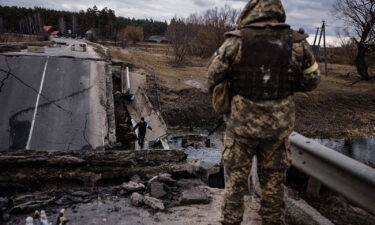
(260, 11)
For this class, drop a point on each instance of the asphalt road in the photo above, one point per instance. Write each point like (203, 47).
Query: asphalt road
(52, 103)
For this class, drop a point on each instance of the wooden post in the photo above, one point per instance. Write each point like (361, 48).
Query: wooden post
(313, 187)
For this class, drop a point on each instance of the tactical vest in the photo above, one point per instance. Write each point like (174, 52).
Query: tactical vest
(266, 70)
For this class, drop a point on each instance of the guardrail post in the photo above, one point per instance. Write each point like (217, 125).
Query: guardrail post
(313, 187)
(127, 79)
(122, 82)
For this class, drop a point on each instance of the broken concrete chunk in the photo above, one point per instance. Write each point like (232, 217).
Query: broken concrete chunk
(194, 196)
(302, 213)
(167, 178)
(157, 190)
(136, 199)
(152, 179)
(81, 194)
(154, 203)
(65, 160)
(36, 49)
(29, 206)
(136, 179)
(133, 186)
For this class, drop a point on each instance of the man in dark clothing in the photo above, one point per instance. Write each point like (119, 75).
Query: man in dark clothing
(142, 128)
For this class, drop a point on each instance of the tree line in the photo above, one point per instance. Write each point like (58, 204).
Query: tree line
(200, 34)
(102, 22)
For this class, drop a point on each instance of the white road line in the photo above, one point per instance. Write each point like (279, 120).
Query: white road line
(36, 105)
(103, 135)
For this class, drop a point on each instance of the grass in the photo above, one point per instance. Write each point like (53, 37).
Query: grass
(335, 109)
(159, 58)
(19, 38)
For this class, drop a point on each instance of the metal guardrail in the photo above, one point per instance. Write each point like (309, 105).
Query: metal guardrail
(338, 172)
(125, 81)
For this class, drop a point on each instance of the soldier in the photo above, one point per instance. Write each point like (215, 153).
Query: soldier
(264, 62)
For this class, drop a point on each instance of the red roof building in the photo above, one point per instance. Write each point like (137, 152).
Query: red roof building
(47, 28)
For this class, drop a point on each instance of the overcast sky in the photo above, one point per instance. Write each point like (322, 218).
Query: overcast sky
(300, 13)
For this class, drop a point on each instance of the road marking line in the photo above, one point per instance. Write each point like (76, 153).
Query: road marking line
(36, 105)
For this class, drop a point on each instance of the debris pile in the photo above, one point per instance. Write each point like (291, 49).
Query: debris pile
(163, 191)
(30, 171)
(153, 193)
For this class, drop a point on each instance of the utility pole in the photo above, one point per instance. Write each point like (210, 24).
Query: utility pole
(317, 47)
(320, 39)
(325, 48)
(316, 35)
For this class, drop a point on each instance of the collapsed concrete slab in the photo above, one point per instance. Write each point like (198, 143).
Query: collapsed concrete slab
(24, 171)
(302, 213)
(78, 48)
(36, 49)
(194, 196)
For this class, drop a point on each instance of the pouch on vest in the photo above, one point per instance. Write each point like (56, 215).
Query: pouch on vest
(221, 97)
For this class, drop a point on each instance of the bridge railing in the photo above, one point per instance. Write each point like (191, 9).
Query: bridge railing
(338, 172)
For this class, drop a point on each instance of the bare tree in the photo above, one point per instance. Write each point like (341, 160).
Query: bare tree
(209, 29)
(130, 33)
(31, 24)
(62, 25)
(74, 24)
(179, 33)
(359, 15)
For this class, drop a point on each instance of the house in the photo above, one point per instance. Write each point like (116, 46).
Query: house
(47, 29)
(157, 39)
(55, 33)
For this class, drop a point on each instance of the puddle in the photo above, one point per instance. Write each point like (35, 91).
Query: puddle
(196, 146)
(360, 149)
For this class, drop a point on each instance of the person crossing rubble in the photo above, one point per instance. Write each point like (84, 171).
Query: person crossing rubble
(142, 129)
(252, 78)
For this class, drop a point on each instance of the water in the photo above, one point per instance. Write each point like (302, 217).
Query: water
(195, 146)
(360, 149)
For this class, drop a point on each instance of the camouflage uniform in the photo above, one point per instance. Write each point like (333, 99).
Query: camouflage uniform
(259, 127)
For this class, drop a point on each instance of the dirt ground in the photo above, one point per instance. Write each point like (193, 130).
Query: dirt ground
(339, 210)
(336, 109)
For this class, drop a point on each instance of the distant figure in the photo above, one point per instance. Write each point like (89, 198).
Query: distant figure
(142, 129)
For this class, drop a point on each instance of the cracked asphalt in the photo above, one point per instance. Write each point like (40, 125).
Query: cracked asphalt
(54, 103)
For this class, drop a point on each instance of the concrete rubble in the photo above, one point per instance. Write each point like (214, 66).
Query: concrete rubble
(194, 196)
(36, 49)
(133, 186)
(137, 199)
(154, 203)
(157, 190)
